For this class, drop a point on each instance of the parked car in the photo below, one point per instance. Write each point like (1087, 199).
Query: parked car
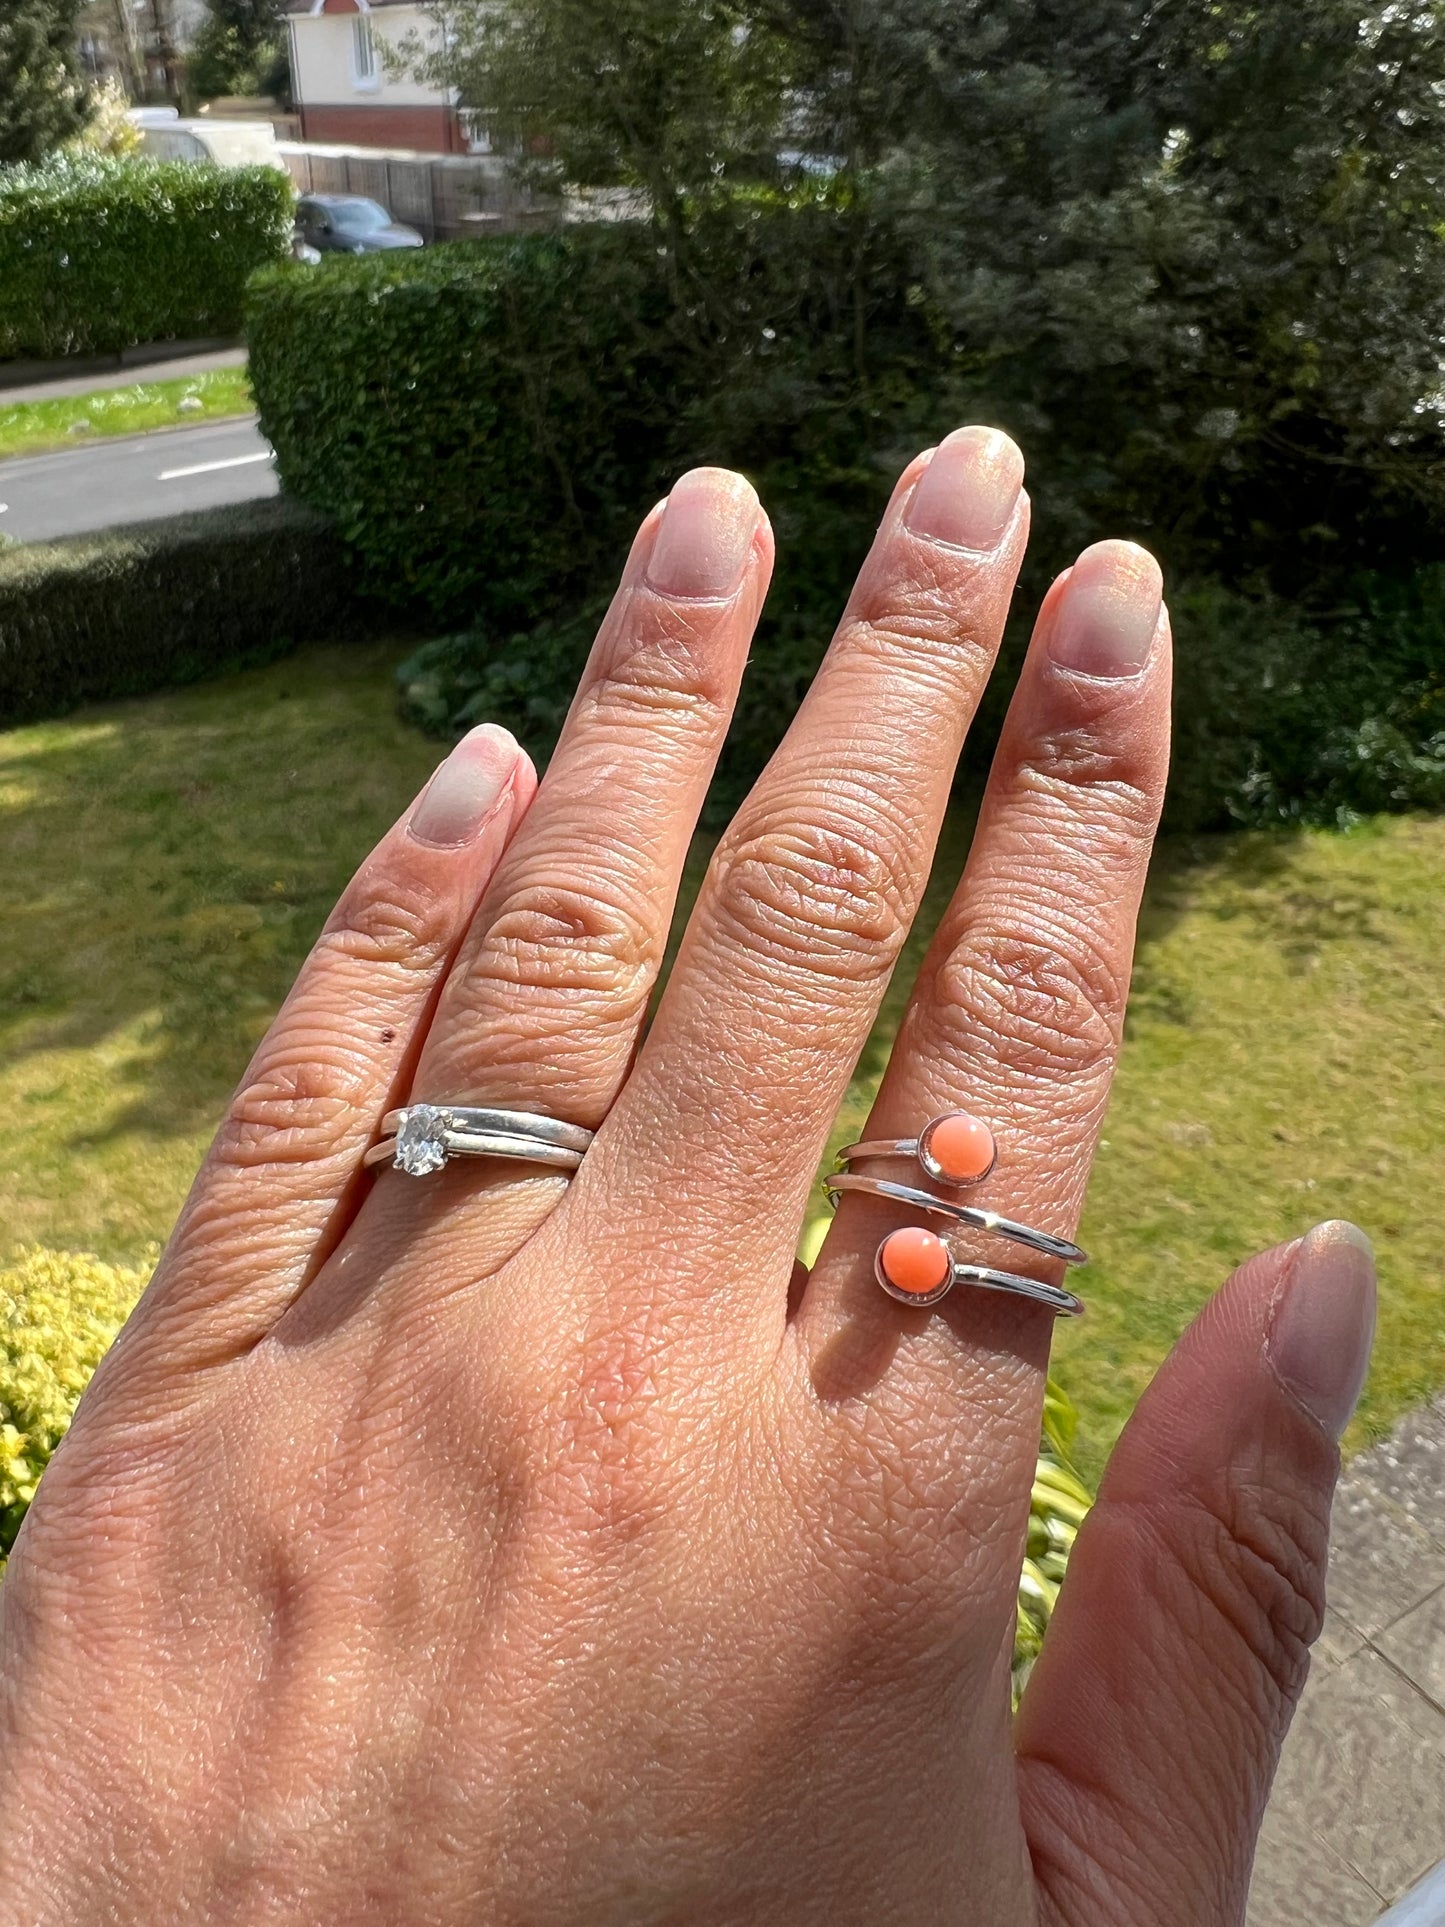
(350, 224)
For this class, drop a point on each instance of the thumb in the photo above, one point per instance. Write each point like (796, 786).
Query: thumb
(1151, 1727)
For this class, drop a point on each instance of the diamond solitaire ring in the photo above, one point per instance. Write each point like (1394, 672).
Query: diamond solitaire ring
(422, 1137)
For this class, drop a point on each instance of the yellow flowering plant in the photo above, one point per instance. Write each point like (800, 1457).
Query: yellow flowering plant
(59, 1312)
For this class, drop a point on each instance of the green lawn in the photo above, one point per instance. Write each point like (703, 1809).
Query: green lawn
(169, 860)
(29, 428)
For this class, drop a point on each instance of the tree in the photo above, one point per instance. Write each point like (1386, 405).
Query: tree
(43, 100)
(676, 101)
(240, 49)
(1191, 252)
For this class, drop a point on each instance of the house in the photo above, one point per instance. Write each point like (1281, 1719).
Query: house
(346, 91)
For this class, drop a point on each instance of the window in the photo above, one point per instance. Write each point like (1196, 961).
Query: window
(363, 52)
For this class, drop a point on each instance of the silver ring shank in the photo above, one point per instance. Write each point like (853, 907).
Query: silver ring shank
(969, 1214)
(477, 1120)
(880, 1147)
(1063, 1303)
(492, 1144)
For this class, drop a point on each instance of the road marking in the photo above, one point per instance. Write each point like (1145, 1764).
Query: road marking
(209, 468)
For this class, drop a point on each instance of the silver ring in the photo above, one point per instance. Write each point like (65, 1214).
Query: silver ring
(1062, 1303)
(422, 1137)
(969, 1214)
(481, 1118)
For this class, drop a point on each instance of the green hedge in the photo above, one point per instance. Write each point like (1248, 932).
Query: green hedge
(97, 254)
(468, 418)
(487, 423)
(131, 609)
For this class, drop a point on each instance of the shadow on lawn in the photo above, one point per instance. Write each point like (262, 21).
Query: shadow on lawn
(172, 861)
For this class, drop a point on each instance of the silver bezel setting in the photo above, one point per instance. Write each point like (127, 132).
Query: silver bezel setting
(920, 1299)
(931, 1165)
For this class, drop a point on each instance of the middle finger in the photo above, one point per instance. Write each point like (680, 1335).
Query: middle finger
(812, 891)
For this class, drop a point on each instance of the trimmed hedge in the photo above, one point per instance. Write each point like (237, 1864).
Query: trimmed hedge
(97, 254)
(468, 418)
(488, 423)
(131, 609)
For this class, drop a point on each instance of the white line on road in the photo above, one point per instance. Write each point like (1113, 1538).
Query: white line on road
(209, 468)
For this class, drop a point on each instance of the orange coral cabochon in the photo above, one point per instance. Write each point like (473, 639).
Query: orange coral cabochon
(960, 1146)
(914, 1261)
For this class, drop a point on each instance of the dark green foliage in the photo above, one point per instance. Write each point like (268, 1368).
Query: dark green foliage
(486, 423)
(42, 98)
(558, 391)
(240, 48)
(479, 421)
(132, 609)
(98, 254)
(1283, 717)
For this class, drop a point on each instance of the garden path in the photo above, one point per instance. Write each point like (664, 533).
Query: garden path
(1357, 1817)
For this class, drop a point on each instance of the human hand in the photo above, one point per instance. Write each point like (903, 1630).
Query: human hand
(496, 1548)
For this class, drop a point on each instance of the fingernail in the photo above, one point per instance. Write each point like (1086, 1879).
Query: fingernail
(1324, 1323)
(1108, 616)
(466, 789)
(706, 536)
(967, 494)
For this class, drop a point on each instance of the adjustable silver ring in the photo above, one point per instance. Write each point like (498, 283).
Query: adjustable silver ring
(969, 1214)
(952, 1271)
(422, 1137)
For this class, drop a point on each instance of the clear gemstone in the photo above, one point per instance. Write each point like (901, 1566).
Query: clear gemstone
(420, 1143)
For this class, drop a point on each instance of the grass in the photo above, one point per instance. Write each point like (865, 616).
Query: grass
(32, 427)
(174, 857)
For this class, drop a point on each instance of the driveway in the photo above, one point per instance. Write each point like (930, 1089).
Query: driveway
(133, 479)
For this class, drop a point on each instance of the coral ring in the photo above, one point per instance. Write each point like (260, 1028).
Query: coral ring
(974, 1216)
(955, 1149)
(917, 1268)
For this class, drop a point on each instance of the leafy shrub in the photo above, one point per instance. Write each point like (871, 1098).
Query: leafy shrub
(488, 423)
(1284, 715)
(97, 254)
(59, 1312)
(477, 421)
(130, 609)
(1058, 1505)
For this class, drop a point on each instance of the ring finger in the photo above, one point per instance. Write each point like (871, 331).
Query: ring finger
(543, 1007)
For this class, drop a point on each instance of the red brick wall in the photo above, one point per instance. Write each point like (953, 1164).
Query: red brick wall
(432, 130)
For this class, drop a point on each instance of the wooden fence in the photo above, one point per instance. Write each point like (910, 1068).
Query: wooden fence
(445, 197)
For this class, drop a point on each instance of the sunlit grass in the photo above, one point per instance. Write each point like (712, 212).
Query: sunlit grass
(167, 862)
(32, 427)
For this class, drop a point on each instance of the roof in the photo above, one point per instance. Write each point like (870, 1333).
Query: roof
(343, 6)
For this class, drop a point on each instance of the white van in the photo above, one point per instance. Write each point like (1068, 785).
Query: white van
(229, 143)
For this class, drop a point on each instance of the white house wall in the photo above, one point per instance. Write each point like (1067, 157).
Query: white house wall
(324, 73)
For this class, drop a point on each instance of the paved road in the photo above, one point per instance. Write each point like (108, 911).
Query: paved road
(132, 479)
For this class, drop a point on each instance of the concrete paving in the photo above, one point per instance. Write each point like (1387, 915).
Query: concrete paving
(1357, 1818)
